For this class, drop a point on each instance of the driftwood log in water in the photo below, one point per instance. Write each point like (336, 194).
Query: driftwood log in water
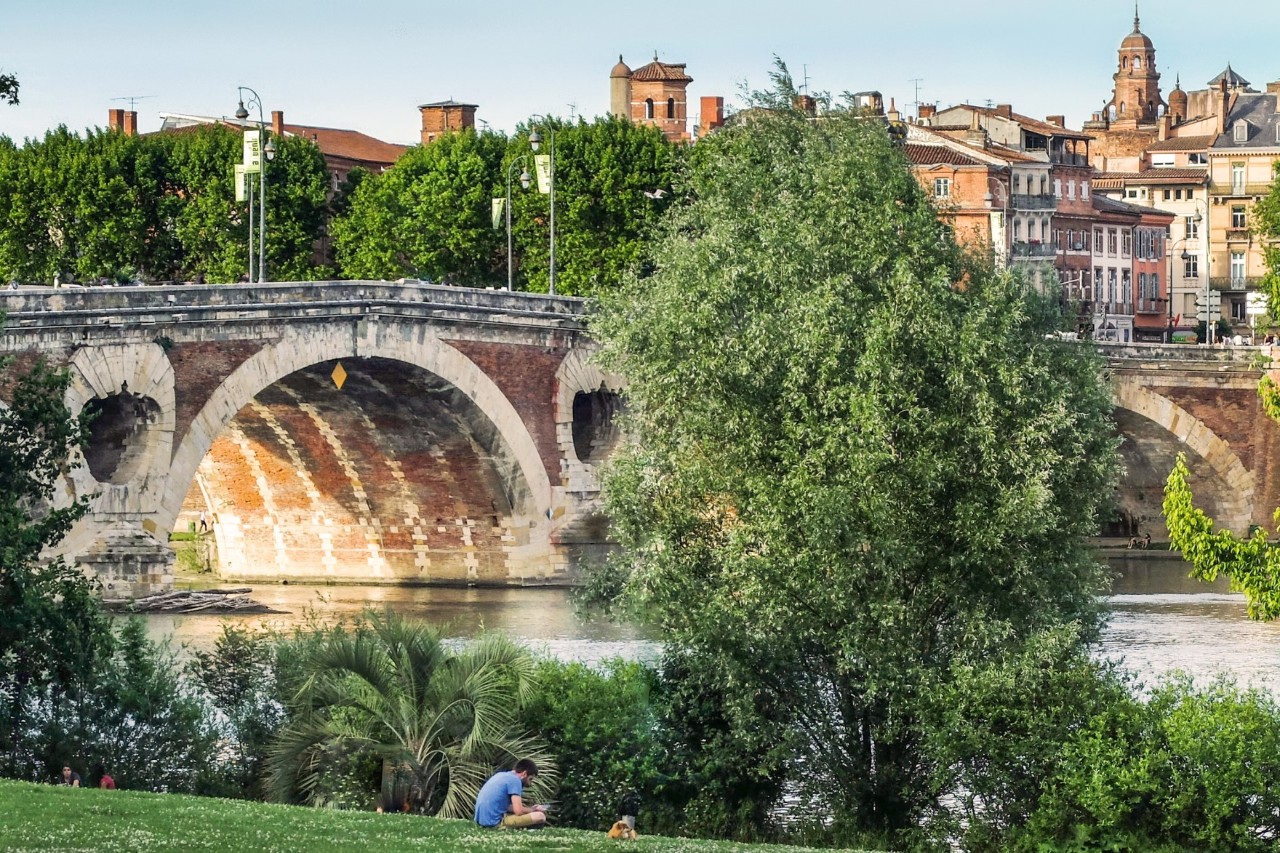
(191, 601)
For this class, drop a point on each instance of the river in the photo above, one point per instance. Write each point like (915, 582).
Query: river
(1161, 621)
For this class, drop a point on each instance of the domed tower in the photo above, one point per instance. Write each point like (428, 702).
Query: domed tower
(620, 89)
(1178, 102)
(1136, 98)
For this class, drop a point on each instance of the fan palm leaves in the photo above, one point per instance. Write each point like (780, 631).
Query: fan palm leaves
(439, 720)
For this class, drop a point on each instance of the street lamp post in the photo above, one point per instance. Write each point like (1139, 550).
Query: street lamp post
(524, 183)
(268, 153)
(1186, 256)
(535, 141)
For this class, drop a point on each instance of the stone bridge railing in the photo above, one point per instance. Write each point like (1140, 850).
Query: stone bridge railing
(49, 308)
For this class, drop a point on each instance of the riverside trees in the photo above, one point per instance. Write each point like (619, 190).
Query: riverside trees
(858, 463)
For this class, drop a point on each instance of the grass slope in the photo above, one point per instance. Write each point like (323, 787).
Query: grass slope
(45, 818)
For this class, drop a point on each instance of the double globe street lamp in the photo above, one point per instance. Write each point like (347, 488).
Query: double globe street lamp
(535, 142)
(268, 152)
(524, 184)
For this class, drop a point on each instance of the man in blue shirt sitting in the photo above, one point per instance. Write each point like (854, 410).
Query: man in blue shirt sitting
(499, 802)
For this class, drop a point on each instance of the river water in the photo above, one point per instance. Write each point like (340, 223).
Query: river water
(1161, 621)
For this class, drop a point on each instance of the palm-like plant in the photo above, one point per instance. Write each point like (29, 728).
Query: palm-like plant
(440, 720)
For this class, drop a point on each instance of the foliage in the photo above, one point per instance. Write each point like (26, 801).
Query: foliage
(439, 721)
(41, 817)
(239, 676)
(845, 426)
(599, 727)
(159, 207)
(53, 633)
(1252, 564)
(9, 89)
(998, 729)
(603, 216)
(1185, 770)
(428, 216)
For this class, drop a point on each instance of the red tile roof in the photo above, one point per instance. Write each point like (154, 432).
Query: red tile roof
(661, 71)
(928, 155)
(1182, 143)
(1028, 123)
(1182, 177)
(349, 144)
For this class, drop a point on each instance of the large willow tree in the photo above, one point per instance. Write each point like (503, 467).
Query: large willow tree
(857, 461)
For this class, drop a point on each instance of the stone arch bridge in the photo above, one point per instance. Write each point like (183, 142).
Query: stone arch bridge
(341, 431)
(406, 433)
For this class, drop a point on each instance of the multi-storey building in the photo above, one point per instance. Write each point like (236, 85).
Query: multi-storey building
(1242, 164)
(1050, 212)
(1129, 299)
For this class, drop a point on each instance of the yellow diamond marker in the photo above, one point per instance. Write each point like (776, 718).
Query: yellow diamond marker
(339, 376)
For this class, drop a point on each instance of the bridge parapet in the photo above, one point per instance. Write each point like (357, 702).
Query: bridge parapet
(46, 307)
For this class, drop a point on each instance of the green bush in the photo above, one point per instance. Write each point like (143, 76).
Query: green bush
(600, 727)
(1186, 769)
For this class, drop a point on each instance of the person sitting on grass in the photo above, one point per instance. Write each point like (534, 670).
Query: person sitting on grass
(499, 802)
(69, 777)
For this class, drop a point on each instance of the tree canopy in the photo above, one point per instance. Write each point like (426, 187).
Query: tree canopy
(857, 461)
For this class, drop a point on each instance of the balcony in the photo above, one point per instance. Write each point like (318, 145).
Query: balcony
(1252, 282)
(1034, 250)
(1238, 235)
(1115, 308)
(1032, 202)
(1152, 306)
(1239, 190)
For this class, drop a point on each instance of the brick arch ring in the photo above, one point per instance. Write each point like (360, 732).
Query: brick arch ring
(407, 343)
(1202, 441)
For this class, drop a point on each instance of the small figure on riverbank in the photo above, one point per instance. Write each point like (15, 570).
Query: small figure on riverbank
(1146, 541)
(499, 802)
(204, 522)
(1133, 543)
(69, 777)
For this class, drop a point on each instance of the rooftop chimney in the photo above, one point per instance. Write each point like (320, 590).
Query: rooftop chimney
(277, 122)
(926, 111)
(115, 119)
(131, 123)
(1273, 88)
(1005, 110)
(711, 114)
(1060, 121)
(893, 114)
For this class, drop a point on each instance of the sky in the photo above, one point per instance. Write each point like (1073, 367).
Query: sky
(368, 65)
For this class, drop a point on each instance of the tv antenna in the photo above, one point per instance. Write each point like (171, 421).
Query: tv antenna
(573, 111)
(133, 99)
(916, 81)
(805, 87)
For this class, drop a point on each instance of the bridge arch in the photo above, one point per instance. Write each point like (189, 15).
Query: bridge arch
(1231, 485)
(526, 481)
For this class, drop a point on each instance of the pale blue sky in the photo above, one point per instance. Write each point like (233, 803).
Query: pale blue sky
(367, 65)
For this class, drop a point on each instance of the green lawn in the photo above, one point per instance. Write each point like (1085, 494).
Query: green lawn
(44, 818)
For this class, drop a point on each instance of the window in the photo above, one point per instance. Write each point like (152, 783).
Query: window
(1154, 283)
(1142, 285)
(1157, 248)
(1237, 178)
(1167, 195)
(648, 107)
(1162, 161)
(1097, 278)
(1097, 241)
(1017, 183)
(1197, 158)
(671, 107)
(1084, 189)
(1126, 286)
(1237, 216)
(1240, 131)
(1044, 185)
(942, 187)
(1131, 193)
(1191, 267)
(1137, 62)
(1190, 193)
(1071, 189)
(1177, 194)
(1111, 242)
(1111, 284)
(1126, 244)
(1192, 225)
(1238, 313)
(1017, 229)
(1057, 187)
(1044, 229)
(1237, 269)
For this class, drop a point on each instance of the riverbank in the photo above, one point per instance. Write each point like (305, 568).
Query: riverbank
(46, 818)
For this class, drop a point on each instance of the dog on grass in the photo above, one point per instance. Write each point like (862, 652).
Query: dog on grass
(622, 831)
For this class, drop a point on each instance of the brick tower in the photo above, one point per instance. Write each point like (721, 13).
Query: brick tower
(656, 96)
(1136, 99)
